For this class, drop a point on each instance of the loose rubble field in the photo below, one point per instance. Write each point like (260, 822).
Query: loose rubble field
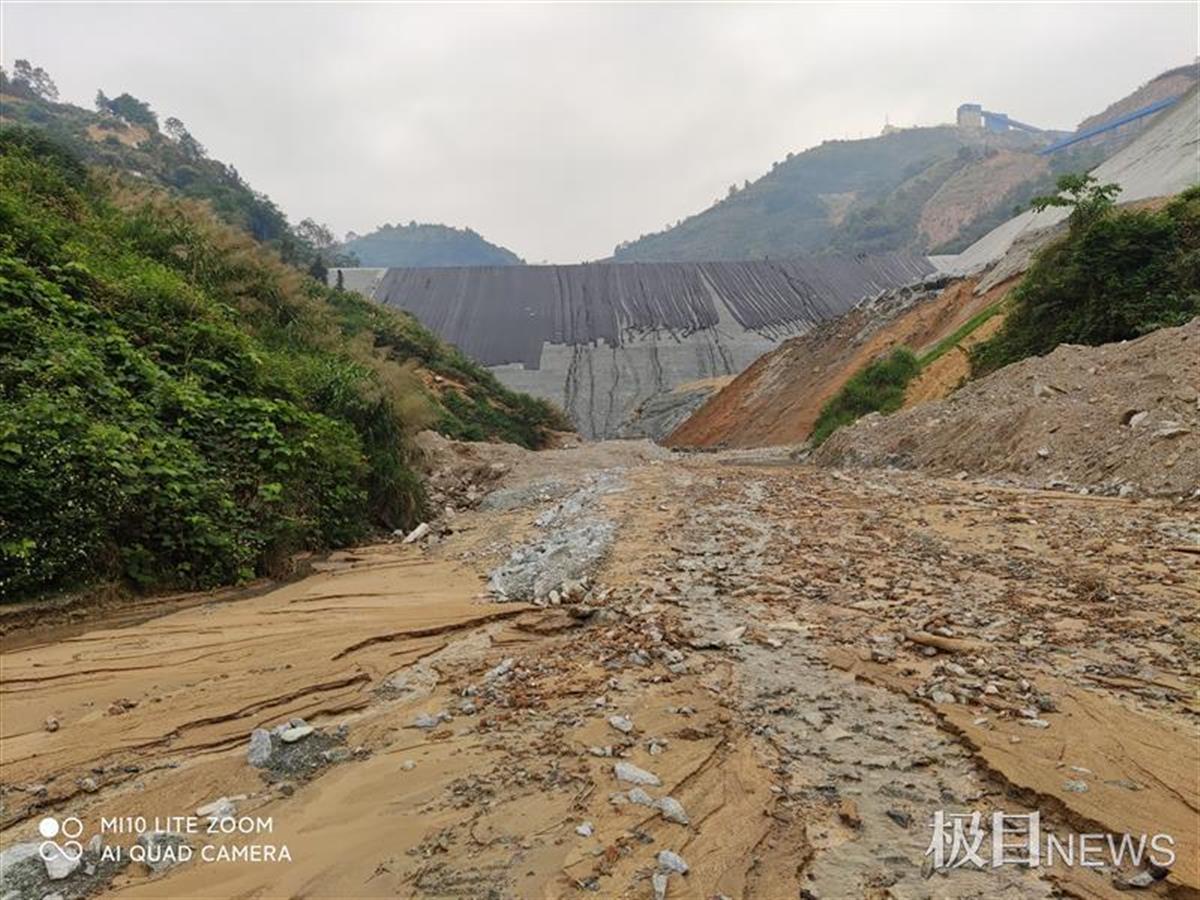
(764, 684)
(1118, 419)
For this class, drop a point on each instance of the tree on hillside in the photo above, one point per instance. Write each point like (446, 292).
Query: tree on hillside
(1089, 200)
(129, 108)
(36, 81)
(319, 236)
(177, 131)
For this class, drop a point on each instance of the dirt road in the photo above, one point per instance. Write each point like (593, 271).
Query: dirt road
(797, 668)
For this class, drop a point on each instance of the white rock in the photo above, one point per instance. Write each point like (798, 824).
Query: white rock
(417, 533)
(425, 720)
(672, 811)
(669, 861)
(640, 797)
(584, 829)
(221, 808)
(623, 724)
(259, 753)
(659, 882)
(58, 864)
(291, 735)
(500, 670)
(17, 853)
(629, 772)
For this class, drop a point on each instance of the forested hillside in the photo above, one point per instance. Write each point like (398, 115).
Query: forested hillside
(180, 407)
(418, 244)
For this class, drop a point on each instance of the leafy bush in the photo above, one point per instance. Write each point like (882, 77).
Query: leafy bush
(178, 407)
(1117, 274)
(879, 387)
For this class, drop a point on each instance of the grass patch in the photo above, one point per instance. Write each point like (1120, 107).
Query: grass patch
(879, 387)
(946, 344)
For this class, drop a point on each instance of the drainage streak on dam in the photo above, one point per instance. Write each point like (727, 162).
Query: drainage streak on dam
(600, 339)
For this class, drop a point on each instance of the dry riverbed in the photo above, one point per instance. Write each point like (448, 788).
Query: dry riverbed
(737, 679)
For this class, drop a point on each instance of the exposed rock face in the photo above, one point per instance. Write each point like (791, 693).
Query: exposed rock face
(600, 339)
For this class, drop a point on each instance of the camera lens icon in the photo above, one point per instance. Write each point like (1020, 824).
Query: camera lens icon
(70, 828)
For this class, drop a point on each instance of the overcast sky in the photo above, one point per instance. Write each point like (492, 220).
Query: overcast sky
(559, 130)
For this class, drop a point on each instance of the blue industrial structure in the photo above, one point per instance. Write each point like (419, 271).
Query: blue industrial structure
(1109, 126)
(974, 116)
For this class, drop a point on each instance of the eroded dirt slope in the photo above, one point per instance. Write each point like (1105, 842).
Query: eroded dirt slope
(801, 666)
(778, 398)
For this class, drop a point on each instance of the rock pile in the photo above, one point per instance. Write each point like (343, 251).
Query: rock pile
(1119, 419)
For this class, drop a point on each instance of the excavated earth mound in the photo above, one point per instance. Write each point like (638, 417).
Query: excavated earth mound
(1120, 418)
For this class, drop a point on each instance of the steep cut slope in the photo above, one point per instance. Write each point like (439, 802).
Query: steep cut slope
(1118, 418)
(427, 245)
(601, 339)
(778, 398)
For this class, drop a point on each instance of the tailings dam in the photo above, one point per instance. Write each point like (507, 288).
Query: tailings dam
(600, 339)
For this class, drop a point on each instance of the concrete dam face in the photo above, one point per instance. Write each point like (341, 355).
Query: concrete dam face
(601, 339)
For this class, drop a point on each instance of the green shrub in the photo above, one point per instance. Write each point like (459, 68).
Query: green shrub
(877, 388)
(1117, 274)
(178, 407)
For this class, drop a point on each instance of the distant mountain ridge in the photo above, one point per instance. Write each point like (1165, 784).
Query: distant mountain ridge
(427, 245)
(925, 189)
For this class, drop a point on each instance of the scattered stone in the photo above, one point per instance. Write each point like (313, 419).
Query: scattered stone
(672, 810)
(259, 753)
(221, 808)
(640, 797)
(900, 817)
(162, 849)
(51, 724)
(499, 671)
(1143, 879)
(58, 864)
(427, 720)
(623, 724)
(659, 882)
(416, 534)
(1075, 786)
(669, 861)
(625, 771)
(291, 735)
(584, 829)
(408, 765)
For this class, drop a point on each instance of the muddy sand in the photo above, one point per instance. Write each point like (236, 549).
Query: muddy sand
(801, 666)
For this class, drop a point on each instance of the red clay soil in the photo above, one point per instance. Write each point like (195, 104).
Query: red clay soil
(779, 397)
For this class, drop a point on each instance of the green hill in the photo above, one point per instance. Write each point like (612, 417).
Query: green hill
(427, 245)
(181, 408)
(933, 189)
(849, 196)
(124, 133)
